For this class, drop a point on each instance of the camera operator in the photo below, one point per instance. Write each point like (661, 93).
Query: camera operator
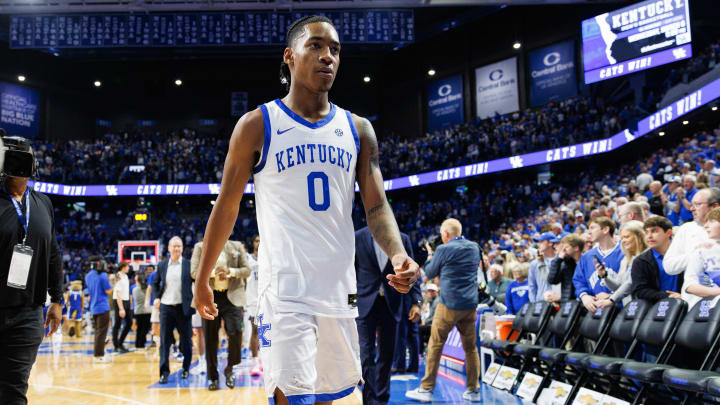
(30, 269)
(456, 263)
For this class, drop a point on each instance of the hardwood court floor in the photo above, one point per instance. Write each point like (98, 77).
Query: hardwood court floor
(64, 374)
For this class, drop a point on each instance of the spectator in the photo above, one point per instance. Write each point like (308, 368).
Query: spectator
(671, 196)
(99, 288)
(518, 291)
(685, 196)
(632, 243)
(607, 252)
(691, 234)
(141, 312)
(702, 277)
(123, 309)
(563, 266)
(650, 281)
(654, 195)
(498, 285)
(456, 262)
(631, 211)
(537, 277)
(431, 303)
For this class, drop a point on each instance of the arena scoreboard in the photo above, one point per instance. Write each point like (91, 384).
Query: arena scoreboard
(200, 29)
(634, 38)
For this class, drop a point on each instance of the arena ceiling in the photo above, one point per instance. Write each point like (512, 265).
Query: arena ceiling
(89, 6)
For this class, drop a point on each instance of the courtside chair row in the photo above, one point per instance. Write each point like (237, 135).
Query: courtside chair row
(644, 354)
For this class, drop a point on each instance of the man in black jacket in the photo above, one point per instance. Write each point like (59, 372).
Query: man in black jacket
(562, 267)
(650, 281)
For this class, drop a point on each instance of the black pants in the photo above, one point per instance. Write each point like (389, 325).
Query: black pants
(101, 323)
(233, 317)
(172, 317)
(142, 322)
(21, 332)
(126, 322)
(376, 374)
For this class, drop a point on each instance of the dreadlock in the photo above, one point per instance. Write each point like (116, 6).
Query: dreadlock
(293, 33)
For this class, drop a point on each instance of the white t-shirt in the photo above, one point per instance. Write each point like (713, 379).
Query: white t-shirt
(173, 284)
(687, 238)
(122, 288)
(704, 269)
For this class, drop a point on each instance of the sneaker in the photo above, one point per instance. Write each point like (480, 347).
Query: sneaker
(472, 396)
(199, 369)
(102, 359)
(420, 394)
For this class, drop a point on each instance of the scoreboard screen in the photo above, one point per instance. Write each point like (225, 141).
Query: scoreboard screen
(638, 37)
(199, 29)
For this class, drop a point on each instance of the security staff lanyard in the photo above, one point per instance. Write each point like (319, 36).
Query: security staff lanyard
(22, 254)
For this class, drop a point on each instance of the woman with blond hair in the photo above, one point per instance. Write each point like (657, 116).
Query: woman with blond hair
(518, 292)
(632, 243)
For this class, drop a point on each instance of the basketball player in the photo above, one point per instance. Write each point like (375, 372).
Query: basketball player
(306, 154)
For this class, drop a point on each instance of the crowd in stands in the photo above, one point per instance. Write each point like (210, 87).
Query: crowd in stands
(182, 156)
(703, 61)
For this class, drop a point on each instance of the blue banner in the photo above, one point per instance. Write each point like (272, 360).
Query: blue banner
(653, 122)
(19, 110)
(552, 73)
(445, 103)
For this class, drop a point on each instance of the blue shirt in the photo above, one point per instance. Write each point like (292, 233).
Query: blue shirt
(667, 282)
(97, 285)
(456, 262)
(685, 214)
(586, 280)
(516, 296)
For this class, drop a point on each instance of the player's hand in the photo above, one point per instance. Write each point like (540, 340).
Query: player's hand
(122, 313)
(589, 302)
(204, 301)
(414, 313)
(407, 273)
(53, 317)
(147, 302)
(156, 303)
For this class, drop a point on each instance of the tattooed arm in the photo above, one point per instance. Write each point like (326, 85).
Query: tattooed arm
(378, 213)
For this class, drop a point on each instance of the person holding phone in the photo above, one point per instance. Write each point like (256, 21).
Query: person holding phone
(589, 287)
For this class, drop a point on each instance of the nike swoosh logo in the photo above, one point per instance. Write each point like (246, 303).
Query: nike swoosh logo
(279, 132)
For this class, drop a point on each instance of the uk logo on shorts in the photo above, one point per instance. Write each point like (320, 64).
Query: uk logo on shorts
(263, 329)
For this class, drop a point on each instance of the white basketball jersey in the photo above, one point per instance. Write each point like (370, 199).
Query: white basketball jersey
(304, 190)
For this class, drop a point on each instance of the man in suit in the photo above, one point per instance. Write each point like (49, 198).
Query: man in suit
(173, 286)
(379, 306)
(228, 282)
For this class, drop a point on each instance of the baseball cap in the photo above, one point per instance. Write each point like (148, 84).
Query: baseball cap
(431, 286)
(675, 179)
(546, 236)
(579, 214)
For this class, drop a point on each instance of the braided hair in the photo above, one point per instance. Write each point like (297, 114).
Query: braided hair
(293, 33)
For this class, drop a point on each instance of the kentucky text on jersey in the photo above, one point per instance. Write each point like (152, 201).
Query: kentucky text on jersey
(310, 153)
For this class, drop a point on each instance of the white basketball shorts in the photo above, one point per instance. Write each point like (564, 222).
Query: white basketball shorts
(154, 315)
(309, 358)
